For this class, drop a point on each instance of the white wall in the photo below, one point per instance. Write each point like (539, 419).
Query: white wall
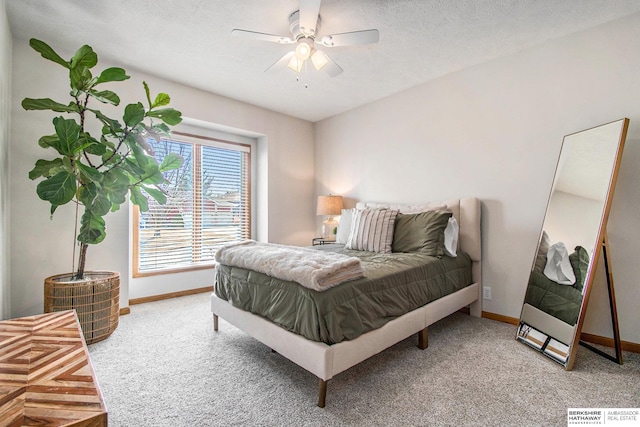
(41, 247)
(573, 220)
(494, 131)
(5, 112)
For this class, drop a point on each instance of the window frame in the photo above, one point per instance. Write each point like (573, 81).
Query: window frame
(198, 141)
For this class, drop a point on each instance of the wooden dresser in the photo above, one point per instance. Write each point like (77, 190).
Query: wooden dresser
(46, 376)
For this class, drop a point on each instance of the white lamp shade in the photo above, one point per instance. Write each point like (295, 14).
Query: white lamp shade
(319, 59)
(295, 64)
(303, 50)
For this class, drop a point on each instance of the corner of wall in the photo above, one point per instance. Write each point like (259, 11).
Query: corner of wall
(5, 114)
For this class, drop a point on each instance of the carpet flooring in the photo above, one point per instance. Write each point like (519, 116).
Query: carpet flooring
(165, 366)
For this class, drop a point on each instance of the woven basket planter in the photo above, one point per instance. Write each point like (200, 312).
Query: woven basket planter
(95, 299)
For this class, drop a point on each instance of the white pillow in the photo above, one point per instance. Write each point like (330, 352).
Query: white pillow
(451, 237)
(344, 227)
(372, 230)
(558, 266)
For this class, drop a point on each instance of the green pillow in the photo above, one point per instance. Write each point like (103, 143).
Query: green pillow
(541, 256)
(579, 260)
(421, 232)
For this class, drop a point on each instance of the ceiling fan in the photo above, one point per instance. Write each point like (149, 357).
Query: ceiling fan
(304, 25)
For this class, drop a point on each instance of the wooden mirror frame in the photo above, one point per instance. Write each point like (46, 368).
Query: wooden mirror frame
(600, 248)
(602, 239)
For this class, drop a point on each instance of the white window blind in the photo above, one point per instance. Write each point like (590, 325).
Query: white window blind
(208, 205)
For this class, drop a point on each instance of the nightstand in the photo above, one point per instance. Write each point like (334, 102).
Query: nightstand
(321, 241)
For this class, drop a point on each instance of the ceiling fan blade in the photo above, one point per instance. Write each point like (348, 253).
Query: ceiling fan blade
(354, 38)
(282, 62)
(252, 35)
(331, 67)
(309, 10)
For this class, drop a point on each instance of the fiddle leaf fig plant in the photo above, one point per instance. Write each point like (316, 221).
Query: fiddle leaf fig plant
(98, 160)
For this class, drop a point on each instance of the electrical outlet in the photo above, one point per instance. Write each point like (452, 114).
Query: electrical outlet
(486, 292)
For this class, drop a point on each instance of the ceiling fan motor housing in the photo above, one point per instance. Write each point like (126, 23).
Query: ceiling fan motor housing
(297, 32)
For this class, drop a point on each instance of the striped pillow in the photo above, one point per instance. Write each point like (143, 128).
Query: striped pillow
(372, 230)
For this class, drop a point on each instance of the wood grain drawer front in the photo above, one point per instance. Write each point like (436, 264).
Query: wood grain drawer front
(46, 376)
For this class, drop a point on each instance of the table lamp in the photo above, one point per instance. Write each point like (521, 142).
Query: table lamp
(329, 205)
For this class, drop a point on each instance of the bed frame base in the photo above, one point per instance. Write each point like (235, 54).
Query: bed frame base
(423, 343)
(326, 361)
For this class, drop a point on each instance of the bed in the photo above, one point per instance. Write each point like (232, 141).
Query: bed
(560, 301)
(325, 352)
(547, 291)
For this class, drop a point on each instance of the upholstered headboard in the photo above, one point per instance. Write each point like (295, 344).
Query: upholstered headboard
(466, 211)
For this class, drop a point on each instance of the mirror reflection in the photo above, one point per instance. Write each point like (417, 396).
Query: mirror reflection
(570, 241)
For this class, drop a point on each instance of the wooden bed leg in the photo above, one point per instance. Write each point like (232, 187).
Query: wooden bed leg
(322, 393)
(423, 339)
(215, 322)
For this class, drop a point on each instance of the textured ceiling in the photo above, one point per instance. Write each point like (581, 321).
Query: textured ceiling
(190, 41)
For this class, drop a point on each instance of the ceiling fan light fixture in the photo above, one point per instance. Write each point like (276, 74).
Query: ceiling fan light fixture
(303, 50)
(295, 64)
(319, 59)
(304, 26)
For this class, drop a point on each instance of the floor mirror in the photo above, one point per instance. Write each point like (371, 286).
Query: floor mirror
(572, 239)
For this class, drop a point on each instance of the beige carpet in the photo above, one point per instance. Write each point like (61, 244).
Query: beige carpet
(165, 366)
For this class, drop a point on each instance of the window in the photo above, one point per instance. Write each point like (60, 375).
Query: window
(208, 205)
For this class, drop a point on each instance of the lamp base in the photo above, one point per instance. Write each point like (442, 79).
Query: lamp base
(329, 229)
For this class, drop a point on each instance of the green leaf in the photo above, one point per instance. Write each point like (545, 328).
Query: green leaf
(171, 161)
(105, 96)
(106, 143)
(138, 199)
(101, 205)
(132, 167)
(140, 158)
(112, 125)
(84, 57)
(92, 228)
(146, 90)
(95, 198)
(92, 145)
(53, 209)
(80, 79)
(68, 132)
(161, 99)
(156, 193)
(87, 193)
(59, 189)
(49, 141)
(89, 174)
(168, 115)
(133, 114)
(116, 186)
(154, 177)
(113, 74)
(48, 104)
(45, 168)
(162, 129)
(118, 197)
(47, 52)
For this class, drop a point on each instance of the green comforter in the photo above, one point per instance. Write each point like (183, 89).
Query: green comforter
(395, 284)
(560, 301)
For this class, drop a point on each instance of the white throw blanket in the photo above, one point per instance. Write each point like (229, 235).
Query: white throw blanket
(311, 268)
